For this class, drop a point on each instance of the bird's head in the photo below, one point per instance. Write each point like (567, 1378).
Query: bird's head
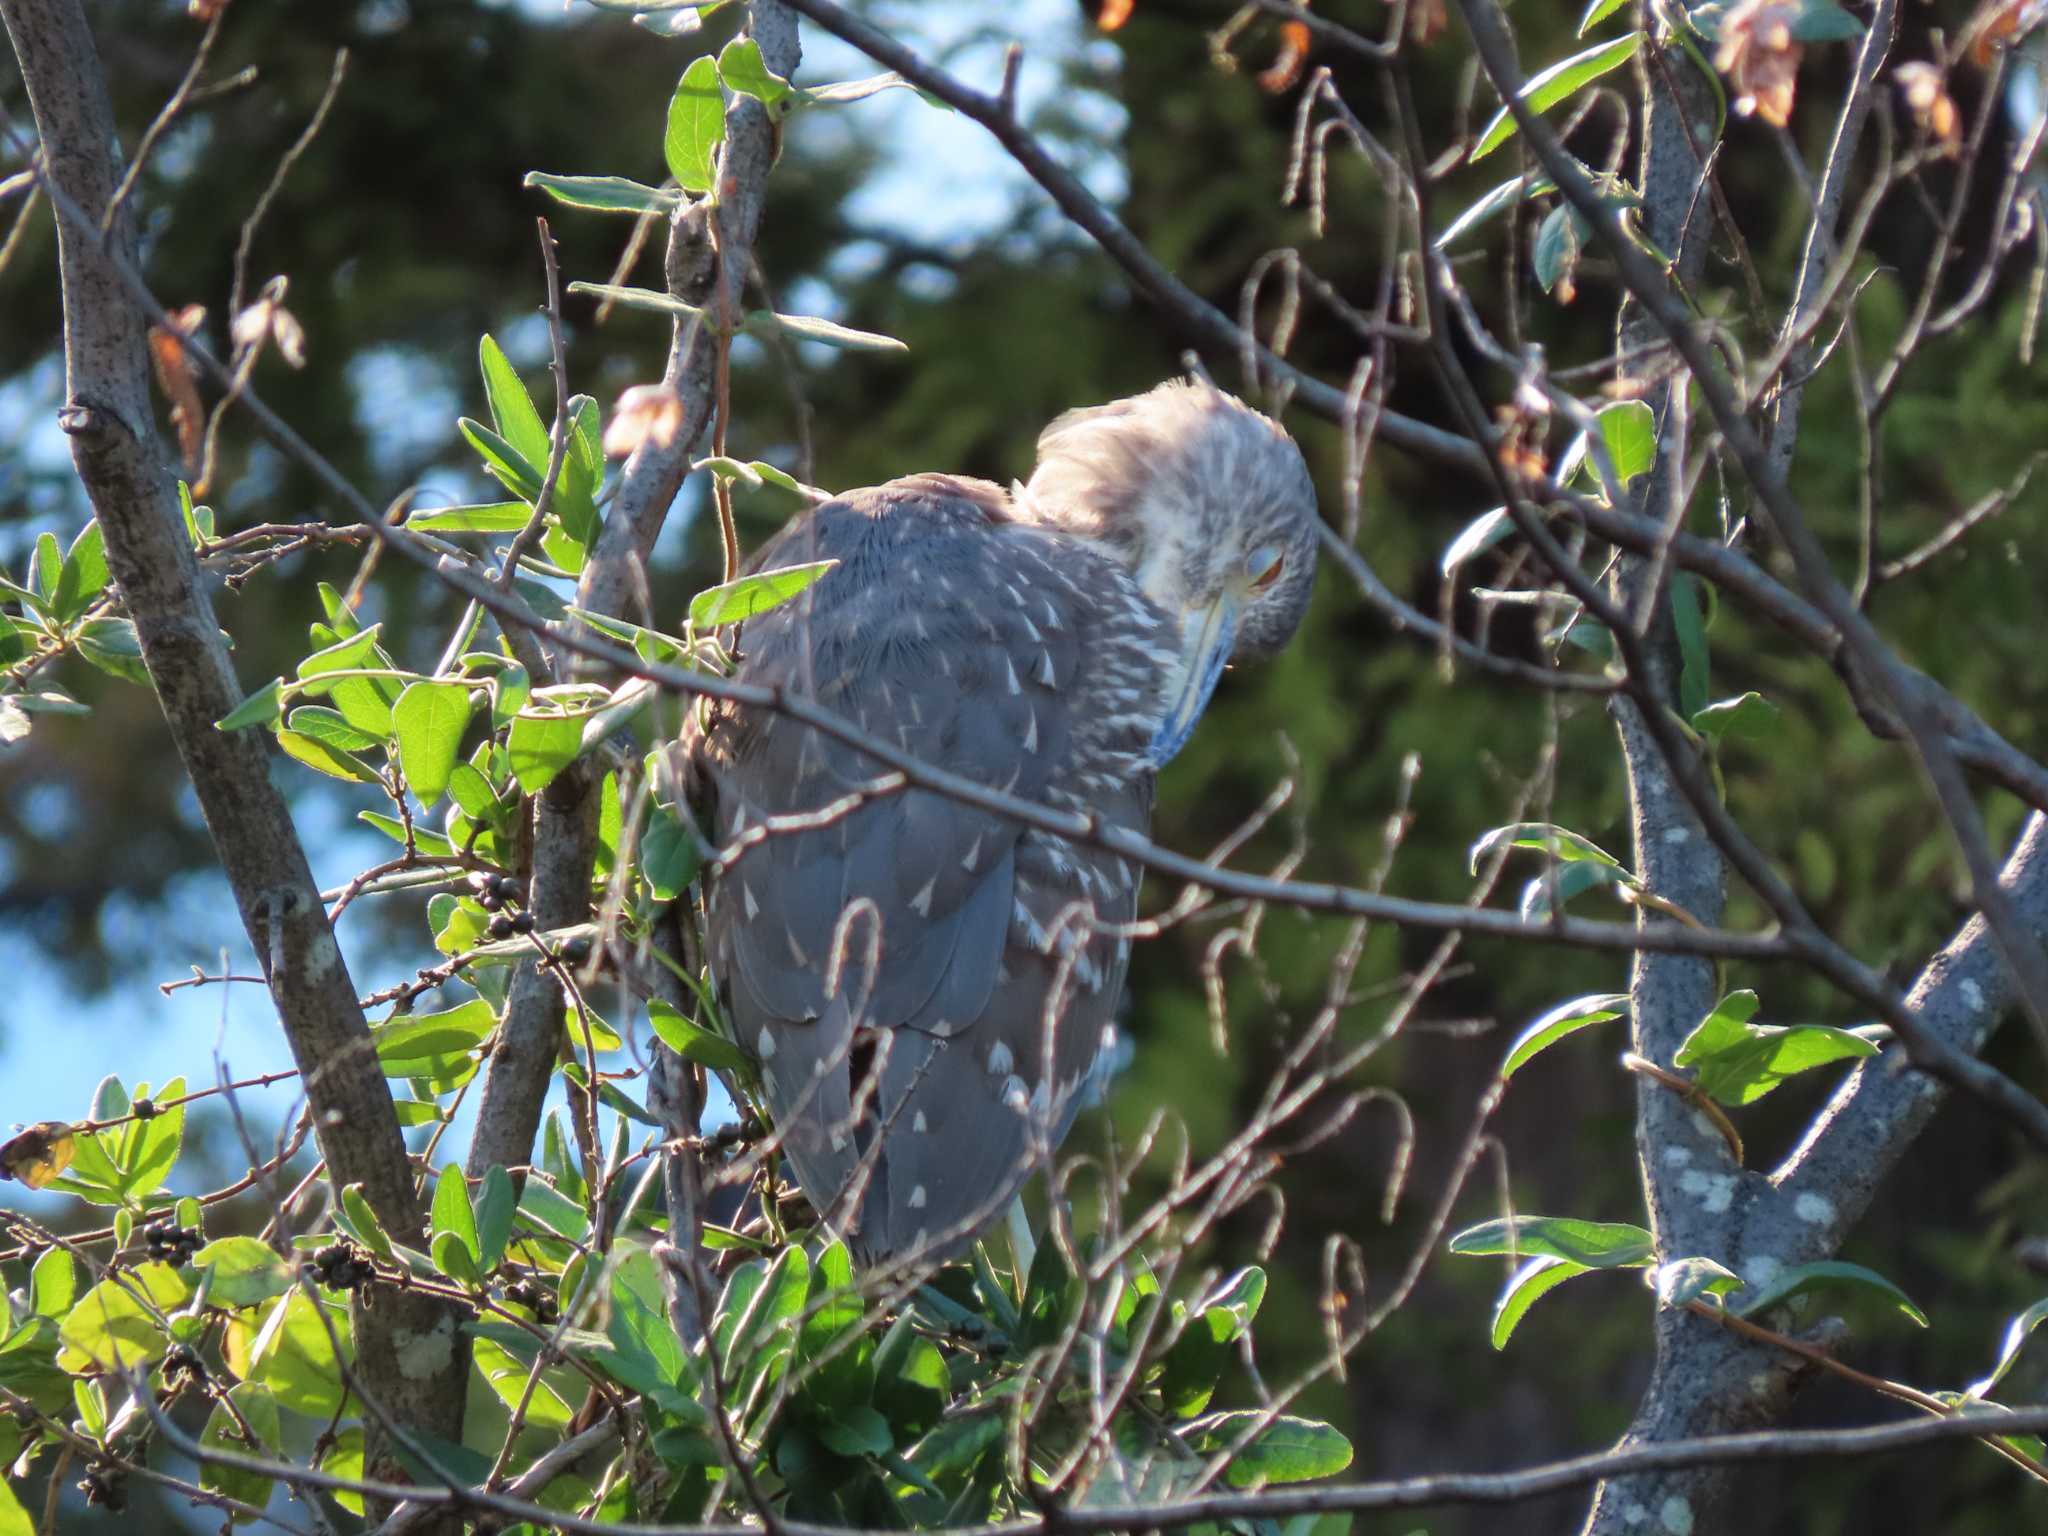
(1210, 506)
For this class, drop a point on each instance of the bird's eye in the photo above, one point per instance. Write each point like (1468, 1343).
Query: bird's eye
(1263, 565)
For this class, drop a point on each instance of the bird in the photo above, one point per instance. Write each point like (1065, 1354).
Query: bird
(926, 986)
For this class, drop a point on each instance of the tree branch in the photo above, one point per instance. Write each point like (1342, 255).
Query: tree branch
(120, 463)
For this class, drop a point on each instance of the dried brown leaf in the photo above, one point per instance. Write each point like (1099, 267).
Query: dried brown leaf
(174, 376)
(1285, 70)
(1760, 57)
(1926, 93)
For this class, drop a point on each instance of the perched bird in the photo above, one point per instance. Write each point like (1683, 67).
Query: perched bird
(926, 984)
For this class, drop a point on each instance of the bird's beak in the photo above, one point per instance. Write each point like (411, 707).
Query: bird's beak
(1206, 637)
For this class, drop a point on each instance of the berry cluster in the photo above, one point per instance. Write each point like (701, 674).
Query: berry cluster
(343, 1267)
(496, 892)
(107, 1487)
(171, 1243)
(536, 1298)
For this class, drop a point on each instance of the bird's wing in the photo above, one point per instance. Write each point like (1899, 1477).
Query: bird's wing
(965, 640)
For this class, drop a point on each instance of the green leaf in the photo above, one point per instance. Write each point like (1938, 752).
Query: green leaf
(544, 1407)
(1559, 842)
(429, 719)
(1494, 203)
(668, 854)
(856, 1430)
(53, 1283)
(1565, 1019)
(1546, 89)
(1287, 1450)
(149, 1148)
(550, 1209)
(1822, 21)
(256, 1407)
(513, 412)
(1629, 428)
(510, 690)
(2016, 1333)
(1595, 1244)
(1692, 644)
(330, 728)
(471, 791)
(762, 322)
(366, 1228)
(349, 654)
(1195, 1360)
(733, 601)
(432, 844)
(485, 517)
(1482, 533)
(1549, 893)
(344, 1459)
(1801, 1278)
(742, 69)
(640, 298)
(453, 1214)
(691, 1041)
(540, 746)
(696, 126)
(604, 194)
(835, 1308)
(259, 708)
(1683, 1280)
(506, 464)
(244, 1271)
(14, 1520)
(496, 1201)
(293, 1354)
(406, 1046)
(318, 755)
(340, 617)
(1598, 12)
(575, 502)
(84, 574)
(1739, 1062)
(1747, 714)
(912, 1384)
(1530, 1284)
(1559, 239)
(47, 569)
(115, 1324)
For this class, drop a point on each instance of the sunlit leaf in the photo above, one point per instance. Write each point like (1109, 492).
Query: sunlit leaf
(1565, 1019)
(742, 69)
(604, 194)
(1595, 1244)
(2016, 1333)
(244, 1271)
(1530, 1284)
(733, 601)
(1801, 1278)
(253, 1406)
(1738, 1062)
(428, 720)
(1548, 87)
(116, 1325)
(1286, 1450)
(696, 126)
